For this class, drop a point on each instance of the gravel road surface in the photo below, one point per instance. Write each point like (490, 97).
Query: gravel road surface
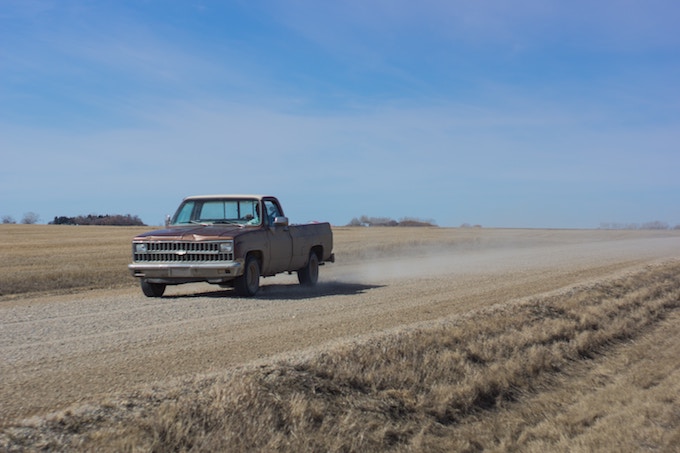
(56, 351)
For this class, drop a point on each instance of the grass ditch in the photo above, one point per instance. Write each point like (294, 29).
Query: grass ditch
(405, 391)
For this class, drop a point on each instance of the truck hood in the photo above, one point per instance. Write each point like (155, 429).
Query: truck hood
(193, 233)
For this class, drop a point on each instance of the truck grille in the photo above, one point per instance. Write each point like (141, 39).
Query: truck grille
(181, 252)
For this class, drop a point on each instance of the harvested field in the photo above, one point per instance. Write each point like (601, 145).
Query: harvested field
(416, 340)
(60, 258)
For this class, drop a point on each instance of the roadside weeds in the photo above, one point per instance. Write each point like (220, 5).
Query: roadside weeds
(471, 382)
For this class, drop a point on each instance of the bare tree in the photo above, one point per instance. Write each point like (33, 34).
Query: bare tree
(655, 225)
(30, 218)
(7, 219)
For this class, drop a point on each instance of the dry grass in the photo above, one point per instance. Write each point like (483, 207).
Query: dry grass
(62, 258)
(573, 371)
(58, 258)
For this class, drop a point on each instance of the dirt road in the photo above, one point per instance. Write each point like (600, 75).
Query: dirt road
(59, 350)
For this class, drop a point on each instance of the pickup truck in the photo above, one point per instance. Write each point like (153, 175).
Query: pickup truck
(231, 241)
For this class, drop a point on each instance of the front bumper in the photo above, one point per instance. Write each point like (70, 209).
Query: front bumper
(176, 273)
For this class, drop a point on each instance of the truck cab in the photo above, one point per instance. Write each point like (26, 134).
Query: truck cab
(229, 240)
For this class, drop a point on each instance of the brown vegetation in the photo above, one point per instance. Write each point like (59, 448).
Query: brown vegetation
(558, 372)
(62, 258)
(92, 219)
(49, 258)
(368, 221)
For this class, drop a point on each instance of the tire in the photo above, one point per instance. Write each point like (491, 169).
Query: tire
(152, 289)
(248, 284)
(309, 275)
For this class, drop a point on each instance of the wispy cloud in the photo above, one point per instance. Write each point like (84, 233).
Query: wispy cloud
(343, 107)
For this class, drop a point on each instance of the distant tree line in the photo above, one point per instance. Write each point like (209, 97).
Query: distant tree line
(386, 221)
(29, 218)
(468, 225)
(655, 225)
(91, 219)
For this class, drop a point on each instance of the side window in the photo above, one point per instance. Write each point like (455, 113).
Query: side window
(272, 211)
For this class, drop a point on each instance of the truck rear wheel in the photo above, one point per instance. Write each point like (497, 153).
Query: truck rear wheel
(309, 275)
(248, 284)
(152, 289)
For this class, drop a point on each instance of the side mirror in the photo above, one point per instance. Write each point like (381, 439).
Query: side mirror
(281, 221)
(167, 220)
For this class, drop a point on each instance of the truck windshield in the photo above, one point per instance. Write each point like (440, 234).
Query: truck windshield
(218, 211)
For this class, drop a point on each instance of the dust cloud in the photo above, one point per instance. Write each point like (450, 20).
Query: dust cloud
(485, 259)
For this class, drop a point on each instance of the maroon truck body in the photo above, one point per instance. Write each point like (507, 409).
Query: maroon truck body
(229, 240)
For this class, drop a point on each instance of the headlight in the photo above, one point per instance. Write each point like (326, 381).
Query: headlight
(140, 248)
(227, 247)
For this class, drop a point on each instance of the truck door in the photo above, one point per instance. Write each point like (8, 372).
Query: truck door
(280, 240)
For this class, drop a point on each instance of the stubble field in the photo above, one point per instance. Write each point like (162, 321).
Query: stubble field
(425, 339)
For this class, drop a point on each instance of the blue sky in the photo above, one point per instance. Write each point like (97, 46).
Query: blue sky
(506, 114)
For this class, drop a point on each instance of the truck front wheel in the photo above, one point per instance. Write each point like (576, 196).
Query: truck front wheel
(248, 284)
(309, 275)
(152, 289)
